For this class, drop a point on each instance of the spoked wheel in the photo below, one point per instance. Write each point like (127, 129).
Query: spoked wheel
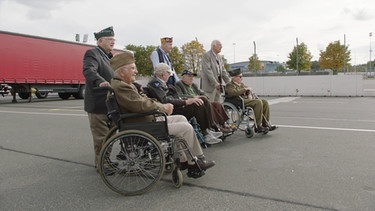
(233, 114)
(131, 162)
(177, 178)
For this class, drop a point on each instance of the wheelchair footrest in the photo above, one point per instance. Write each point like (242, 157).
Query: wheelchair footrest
(196, 173)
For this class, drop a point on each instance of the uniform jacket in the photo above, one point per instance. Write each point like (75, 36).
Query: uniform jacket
(96, 69)
(211, 69)
(164, 93)
(182, 92)
(130, 101)
(233, 89)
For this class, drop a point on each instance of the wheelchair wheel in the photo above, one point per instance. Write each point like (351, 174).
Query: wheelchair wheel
(233, 114)
(177, 178)
(249, 132)
(131, 162)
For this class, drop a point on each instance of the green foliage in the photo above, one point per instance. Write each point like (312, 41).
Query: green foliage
(177, 59)
(192, 54)
(281, 68)
(142, 58)
(304, 58)
(333, 57)
(256, 61)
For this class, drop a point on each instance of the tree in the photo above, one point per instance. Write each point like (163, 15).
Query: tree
(315, 66)
(333, 57)
(177, 59)
(142, 58)
(192, 54)
(256, 61)
(280, 68)
(304, 58)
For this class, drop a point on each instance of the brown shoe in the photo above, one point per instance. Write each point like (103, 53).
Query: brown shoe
(203, 164)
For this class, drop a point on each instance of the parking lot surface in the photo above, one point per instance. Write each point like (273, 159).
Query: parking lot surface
(322, 157)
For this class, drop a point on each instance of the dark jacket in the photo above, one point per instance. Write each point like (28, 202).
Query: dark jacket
(96, 69)
(182, 92)
(164, 93)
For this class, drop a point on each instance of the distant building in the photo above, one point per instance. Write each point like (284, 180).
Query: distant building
(267, 66)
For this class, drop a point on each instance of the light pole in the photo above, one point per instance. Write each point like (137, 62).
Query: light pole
(344, 54)
(254, 58)
(234, 52)
(370, 69)
(297, 56)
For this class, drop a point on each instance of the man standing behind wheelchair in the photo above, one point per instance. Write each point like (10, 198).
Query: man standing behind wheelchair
(130, 101)
(235, 88)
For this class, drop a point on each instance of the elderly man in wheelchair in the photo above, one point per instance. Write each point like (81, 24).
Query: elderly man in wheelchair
(242, 96)
(145, 137)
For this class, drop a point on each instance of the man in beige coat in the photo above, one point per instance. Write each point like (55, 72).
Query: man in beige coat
(213, 72)
(130, 101)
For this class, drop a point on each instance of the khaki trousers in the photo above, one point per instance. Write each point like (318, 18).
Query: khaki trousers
(99, 129)
(179, 126)
(260, 107)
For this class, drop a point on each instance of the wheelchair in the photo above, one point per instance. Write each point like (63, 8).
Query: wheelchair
(135, 156)
(240, 116)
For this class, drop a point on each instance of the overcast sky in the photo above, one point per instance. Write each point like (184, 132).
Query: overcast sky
(274, 25)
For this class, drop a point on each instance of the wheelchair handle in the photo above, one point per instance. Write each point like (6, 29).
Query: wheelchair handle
(100, 88)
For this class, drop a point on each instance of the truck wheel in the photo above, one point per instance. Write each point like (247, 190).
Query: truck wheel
(24, 95)
(64, 95)
(81, 93)
(41, 95)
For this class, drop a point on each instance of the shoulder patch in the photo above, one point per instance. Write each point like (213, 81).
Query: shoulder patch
(157, 84)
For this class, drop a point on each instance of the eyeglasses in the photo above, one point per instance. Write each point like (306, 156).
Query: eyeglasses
(240, 76)
(110, 39)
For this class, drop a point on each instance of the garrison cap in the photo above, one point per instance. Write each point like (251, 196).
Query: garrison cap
(235, 72)
(121, 59)
(166, 39)
(107, 32)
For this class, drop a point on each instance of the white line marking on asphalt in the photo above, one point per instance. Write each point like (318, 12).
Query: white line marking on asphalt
(281, 100)
(40, 113)
(327, 128)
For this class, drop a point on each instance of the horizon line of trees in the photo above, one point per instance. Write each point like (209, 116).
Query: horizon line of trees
(336, 57)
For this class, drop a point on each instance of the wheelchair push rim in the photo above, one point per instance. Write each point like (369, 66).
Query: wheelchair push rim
(131, 162)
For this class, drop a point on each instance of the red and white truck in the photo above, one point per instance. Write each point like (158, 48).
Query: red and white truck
(44, 65)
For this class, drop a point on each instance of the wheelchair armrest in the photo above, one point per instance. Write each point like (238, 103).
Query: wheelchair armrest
(136, 115)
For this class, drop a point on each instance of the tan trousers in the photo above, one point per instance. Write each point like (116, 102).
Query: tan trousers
(180, 127)
(260, 107)
(99, 129)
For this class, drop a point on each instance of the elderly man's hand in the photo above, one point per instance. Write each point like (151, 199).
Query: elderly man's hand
(195, 100)
(168, 107)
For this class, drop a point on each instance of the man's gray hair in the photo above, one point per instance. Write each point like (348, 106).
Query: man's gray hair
(214, 42)
(160, 68)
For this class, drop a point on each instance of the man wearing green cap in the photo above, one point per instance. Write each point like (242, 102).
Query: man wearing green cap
(98, 72)
(261, 108)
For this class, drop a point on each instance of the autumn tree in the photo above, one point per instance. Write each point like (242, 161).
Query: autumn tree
(192, 54)
(142, 58)
(177, 59)
(301, 55)
(256, 61)
(334, 56)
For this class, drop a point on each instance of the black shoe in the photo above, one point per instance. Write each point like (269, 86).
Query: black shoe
(261, 129)
(184, 166)
(203, 164)
(272, 127)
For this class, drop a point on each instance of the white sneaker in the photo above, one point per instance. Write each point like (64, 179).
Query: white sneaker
(210, 139)
(215, 134)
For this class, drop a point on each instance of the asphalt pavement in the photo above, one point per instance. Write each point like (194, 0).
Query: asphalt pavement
(320, 158)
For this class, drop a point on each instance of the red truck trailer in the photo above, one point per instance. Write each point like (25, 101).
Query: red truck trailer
(44, 65)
